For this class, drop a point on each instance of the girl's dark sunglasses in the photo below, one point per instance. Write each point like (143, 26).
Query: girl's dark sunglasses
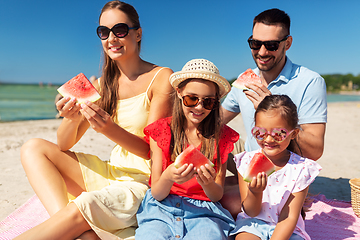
(269, 45)
(193, 101)
(120, 30)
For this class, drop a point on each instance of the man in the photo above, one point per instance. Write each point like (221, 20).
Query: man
(270, 40)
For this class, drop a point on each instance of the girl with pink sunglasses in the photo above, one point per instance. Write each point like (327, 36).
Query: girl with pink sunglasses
(271, 205)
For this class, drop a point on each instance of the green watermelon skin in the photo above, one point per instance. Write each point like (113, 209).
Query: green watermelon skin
(192, 155)
(247, 77)
(259, 163)
(80, 88)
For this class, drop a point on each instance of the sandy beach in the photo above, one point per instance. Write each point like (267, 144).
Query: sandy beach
(340, 161)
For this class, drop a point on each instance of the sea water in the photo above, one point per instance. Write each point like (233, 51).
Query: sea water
(31, 102)
(27, 102)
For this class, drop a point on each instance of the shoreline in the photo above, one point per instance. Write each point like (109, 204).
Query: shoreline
(339, 162)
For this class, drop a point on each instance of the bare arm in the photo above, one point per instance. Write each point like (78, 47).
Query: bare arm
(72, 130)
(251, 194)
(101, 122)
(311, 140)
(227, 116)
(73, 126)
(212, 183)
(161, 96)
(289, 216)
(161, 182)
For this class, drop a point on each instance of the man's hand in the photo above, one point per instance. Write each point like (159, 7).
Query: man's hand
(258, 93)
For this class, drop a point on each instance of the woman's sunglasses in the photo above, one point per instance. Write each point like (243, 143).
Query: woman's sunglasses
(269, 45)
(120, 30)
(278, 134)
(193, 101)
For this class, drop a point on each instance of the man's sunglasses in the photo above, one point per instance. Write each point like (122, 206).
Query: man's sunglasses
(278, 134)
(193, 101)
(120, 30)
(269, 45)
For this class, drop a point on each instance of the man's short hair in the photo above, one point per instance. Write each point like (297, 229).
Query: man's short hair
(272, 17)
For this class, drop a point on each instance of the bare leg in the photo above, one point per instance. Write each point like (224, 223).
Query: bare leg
(51, 173)
(231, 198)
(247, 236)
(68, 223)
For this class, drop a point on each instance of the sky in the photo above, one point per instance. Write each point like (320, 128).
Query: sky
(52, 41)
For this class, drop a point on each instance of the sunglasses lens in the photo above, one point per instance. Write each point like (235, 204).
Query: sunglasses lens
(271, 45)
(259, 133)
(279, 135)
(254, 44)
(209, 103)
(120, 30)
(190, 101)
(103, 32)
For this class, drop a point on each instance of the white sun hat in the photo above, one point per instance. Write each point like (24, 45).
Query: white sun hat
(201, 69)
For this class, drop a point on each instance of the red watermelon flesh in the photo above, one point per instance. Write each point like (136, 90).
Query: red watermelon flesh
(80, 88)
(247, 77)
(259, 163)
(191, 155)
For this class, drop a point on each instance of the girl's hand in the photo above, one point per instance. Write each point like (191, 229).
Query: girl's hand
(99, 120)
(258, 183)
(68, 108)
(181, 174)
(205, 175)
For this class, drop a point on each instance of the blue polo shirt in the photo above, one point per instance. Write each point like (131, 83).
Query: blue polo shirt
(306, 88)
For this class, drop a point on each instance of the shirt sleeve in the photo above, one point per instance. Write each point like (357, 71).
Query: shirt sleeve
(226, 142)
(231, 102)
(310, 170)
(313, 107)
(160, 132)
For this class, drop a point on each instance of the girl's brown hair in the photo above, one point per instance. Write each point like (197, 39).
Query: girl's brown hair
(209, 129)
(109, 83)
(288, 111)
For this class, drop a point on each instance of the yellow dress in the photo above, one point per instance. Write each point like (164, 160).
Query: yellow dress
(116, 188)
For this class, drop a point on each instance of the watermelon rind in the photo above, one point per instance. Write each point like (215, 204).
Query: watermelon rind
(248, 178)
(80, 88)
(239, 86)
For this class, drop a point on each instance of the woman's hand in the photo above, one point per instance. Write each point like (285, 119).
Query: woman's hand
(98, 119)
(205, 175)
(68, 108)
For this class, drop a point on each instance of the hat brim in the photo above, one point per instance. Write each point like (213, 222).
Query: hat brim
(178, 77)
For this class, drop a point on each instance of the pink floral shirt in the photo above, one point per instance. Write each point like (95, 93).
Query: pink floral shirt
(294, 177)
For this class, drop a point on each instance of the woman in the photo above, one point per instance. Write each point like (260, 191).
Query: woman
(133, 93)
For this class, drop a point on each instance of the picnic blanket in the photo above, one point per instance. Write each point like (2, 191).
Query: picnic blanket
(326, 219)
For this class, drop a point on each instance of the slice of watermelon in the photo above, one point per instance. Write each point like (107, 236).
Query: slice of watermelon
(80, 88)
(247, 77)
(259, 163)
(192, 155)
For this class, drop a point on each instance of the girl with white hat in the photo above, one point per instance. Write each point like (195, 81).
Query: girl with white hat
(183, 201)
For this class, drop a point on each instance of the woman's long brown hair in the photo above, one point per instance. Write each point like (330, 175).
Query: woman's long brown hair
(209, 129)
(109, 83)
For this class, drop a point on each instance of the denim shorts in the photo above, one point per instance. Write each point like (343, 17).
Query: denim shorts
(259, 228)
(178, 217)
